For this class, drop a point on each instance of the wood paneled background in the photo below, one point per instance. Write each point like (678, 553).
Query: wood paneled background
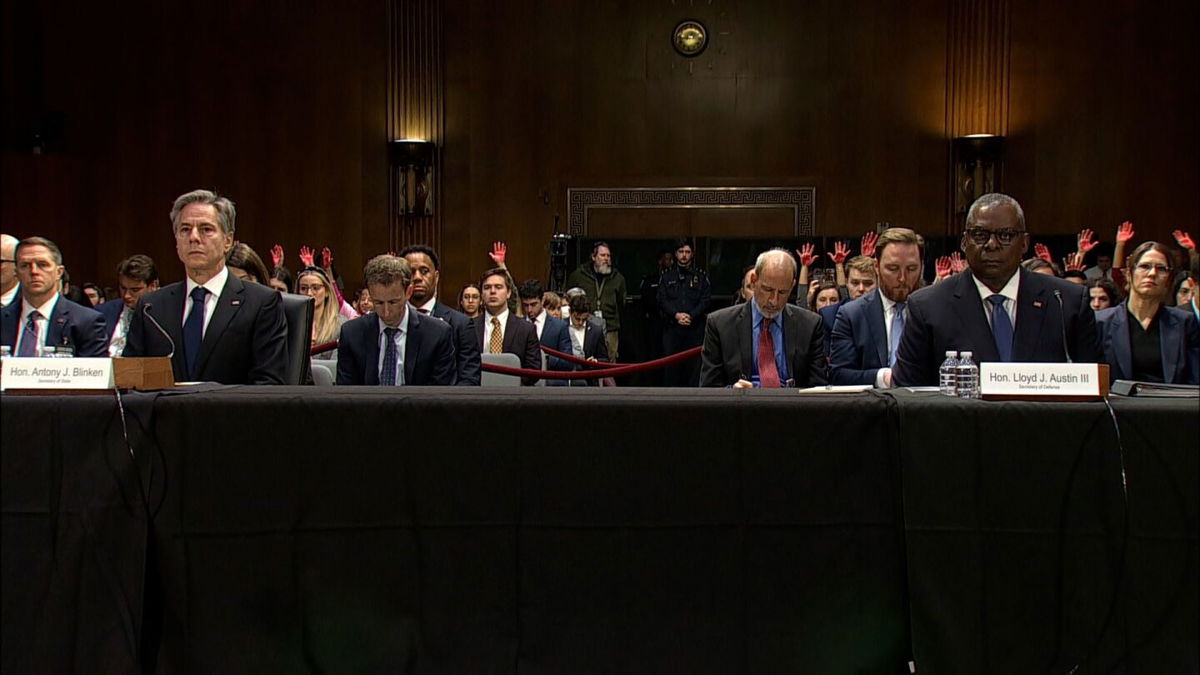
(287, 107)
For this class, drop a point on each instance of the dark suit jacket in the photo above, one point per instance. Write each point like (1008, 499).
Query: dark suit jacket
(859, 346)
(828, 319)
(520, 338)
(555, 336)
(1178, 342)
(594, 346)
(466, 345)
(728, 351)
(245, 342)
(429, 351)
(949, 316)
(69, 323)
(111, 311)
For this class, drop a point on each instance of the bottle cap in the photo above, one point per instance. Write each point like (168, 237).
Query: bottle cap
(967, 355)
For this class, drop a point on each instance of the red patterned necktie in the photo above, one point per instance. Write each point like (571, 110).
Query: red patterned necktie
(768, 374)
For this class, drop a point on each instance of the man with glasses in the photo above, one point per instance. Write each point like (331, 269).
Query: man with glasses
(995, 308)
(8, 269)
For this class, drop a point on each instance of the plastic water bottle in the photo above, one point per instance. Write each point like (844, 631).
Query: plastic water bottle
(967, 377)
(947, 374)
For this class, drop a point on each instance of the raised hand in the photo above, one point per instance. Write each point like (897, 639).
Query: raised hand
(306, 256)
(1042, 252)
(807, 257)
(1086, 242)
(868, 244)
(1073, 261)
(812, 290)
(1124, 232)
(327, 258)
(841, 250)
(957, 263)
(277, 255)
(942, 267)
(498, 253)
(1184, 239)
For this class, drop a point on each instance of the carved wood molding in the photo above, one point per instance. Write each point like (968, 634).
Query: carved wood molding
(801, 200)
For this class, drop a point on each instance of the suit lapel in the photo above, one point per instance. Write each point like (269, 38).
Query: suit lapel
(412, 346)
(371, 338)
(1033, 303)
(11, 317)
(510, 334)
(876, 327)
(1170, 339)
(976, 330)
(169, 313)
(57, 323)
(745, 333)
(1118, 334)
(228, 305)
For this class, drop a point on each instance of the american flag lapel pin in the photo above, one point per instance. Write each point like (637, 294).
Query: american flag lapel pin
(1037, 304)
(60, 321)
(235, 303)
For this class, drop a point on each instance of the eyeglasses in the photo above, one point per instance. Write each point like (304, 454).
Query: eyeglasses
(981, 236)
(1145, 268)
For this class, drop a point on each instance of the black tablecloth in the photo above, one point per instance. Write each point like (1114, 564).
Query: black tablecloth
(621, 530)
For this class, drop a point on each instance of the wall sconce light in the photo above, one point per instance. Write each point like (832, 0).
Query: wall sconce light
(411, 161)
(978, 169)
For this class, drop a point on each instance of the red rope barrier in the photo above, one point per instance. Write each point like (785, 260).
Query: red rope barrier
(571, 358)
(617, 371)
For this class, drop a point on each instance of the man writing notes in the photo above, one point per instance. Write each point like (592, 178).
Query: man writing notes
(216, 327)
(866, 332)
(765, 342)
(395, 345)
(995, 308)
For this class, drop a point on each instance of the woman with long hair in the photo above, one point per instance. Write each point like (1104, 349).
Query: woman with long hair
(327, 321)
(245, 264)
(470, 300)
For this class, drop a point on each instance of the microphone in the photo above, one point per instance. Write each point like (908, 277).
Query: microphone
(146, 312)
(1062, 319)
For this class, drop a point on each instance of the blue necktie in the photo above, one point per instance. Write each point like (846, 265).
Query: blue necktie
(1002, 328)
(387, 372)
(29, 339)
(897, 330)
(193, 330)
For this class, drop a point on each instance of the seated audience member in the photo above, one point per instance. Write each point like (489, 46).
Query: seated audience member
(997, 310)
(1039, 266)
(93, 293)
(281, 279)
(860, 276)
(765, 342)
(867, 331)
(423, 261)
(746, 290)
(1075, 277)
(136, 276)
(586, 337)
(552, 303)
(825, 295)
(1102, 293)
(499, 330)
(551, 331)
(394, 345)
(9, 288)
(470, 300)
(308, 257)
(71, 291)
(218, 327)
(41, 316)
(1181, 293)
(362, 301)
(327, 322)
(1144, 339)
(245, 264)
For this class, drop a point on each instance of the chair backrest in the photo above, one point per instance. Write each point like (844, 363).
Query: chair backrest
(498, 379)
(324, 372)
(298, 309)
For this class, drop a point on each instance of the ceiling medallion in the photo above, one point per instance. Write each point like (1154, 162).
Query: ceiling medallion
(690, 38)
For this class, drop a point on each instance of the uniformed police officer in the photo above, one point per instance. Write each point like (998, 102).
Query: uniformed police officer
(683, 297)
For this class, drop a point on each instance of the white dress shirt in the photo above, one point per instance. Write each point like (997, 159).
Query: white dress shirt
(116, 343)
(43, 323)
(889, 314)
(577, 335)
(9, 295)
(401, 341)
(1010, 297)
(489, 328)
(215, 286)
(540, 323)
(427, 308)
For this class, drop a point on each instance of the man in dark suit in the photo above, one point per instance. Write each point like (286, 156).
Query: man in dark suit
(425, 275)
(41, 315)
(765, 342)
(217, 327)
(136, 276)
(551, 331)
(586, 337)
(866, 332)
(395, 345)
(995, 309)
(499, 331)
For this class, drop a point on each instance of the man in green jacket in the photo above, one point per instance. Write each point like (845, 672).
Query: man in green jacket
(606, 287)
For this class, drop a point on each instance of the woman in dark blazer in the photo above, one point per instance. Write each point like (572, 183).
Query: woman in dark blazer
(1144, 339)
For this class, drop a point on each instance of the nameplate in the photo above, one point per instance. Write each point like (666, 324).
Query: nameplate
(50, 373)
(1048, 381)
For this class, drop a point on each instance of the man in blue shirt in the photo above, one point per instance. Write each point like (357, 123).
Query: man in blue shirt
(765, 342)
